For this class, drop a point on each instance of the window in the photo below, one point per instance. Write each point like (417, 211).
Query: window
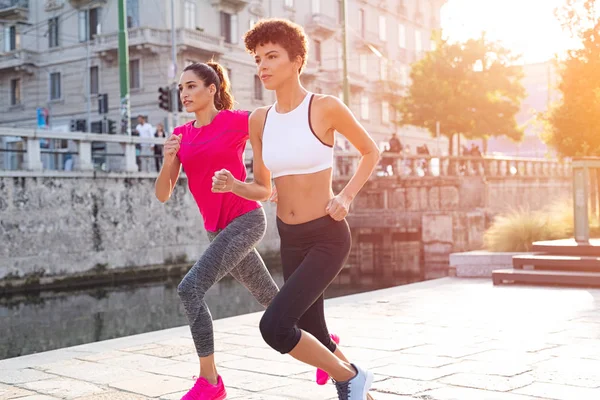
(318, 51)
(94, 80)
(258, 88)
(15, 92)
(382, 28)
(364, 106)
(385, 112)
(12, 39)
(362, 23)
(89, 24)
(383, 69)
(418, 42)
(363, 60)
(134, 74)
(289, 3)
(404, 75)
(229, 27)
(55, 92)
(402, 35)
(133, 13)
(316, 6)
(190, 15)
(53, 32)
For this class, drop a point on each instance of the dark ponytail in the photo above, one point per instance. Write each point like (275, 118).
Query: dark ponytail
(213, 73)
(224, 98)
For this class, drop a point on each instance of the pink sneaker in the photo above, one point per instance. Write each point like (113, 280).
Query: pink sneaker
(202, 390)
(322, 376)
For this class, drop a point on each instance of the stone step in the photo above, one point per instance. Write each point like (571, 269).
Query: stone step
(561, 278)
(568, 247)
(556, 262)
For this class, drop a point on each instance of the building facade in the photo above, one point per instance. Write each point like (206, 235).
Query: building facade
(57, 56)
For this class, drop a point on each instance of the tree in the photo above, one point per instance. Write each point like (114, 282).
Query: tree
(574, 123)
(471, 88)
(577, 16)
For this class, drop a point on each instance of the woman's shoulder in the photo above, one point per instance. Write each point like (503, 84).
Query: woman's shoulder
(326, 101)
(183, 128)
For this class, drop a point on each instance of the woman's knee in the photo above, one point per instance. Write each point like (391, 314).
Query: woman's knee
(186, 289)
(277, 334)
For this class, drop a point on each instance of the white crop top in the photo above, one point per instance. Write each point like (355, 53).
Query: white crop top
(290, 145)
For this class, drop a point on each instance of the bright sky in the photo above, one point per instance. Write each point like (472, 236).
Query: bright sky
(527, 27)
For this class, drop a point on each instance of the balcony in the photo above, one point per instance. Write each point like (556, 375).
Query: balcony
(235, 5)
(321, 25)
(14, 10)
(85, 3)
(18, 60)
(155, 40)
(357, 81)
(370, 39)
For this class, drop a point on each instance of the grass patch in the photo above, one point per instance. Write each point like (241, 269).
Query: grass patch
(516, 230)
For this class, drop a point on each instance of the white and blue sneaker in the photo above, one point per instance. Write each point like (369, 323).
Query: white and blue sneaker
(356, 388)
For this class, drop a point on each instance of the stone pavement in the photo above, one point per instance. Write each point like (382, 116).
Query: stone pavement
(448, 339)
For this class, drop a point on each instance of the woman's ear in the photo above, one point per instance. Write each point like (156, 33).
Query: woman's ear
(299, 62)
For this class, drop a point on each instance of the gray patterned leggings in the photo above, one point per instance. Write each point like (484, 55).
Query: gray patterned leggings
(232, 250)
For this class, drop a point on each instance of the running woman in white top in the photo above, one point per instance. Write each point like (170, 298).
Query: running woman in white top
(293, 141)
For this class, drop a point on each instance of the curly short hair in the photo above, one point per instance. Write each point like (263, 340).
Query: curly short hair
(283, 32)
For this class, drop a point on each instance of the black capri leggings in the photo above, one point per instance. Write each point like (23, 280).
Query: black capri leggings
(312, 255)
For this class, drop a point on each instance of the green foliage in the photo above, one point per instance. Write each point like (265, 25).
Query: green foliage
(574, 123)
(472, 88)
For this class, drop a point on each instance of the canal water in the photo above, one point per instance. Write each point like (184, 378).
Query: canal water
(53, 320)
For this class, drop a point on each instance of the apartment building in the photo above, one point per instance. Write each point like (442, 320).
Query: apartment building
(59, 55)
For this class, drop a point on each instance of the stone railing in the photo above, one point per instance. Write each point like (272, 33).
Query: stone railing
(417, 166)
(24, 150)
(31, 145)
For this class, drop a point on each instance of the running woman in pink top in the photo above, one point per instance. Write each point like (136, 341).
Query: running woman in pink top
(234, 225)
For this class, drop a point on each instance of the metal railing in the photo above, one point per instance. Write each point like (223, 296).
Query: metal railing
(586, 196)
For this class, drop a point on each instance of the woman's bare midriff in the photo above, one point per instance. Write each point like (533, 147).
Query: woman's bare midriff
(303, 198)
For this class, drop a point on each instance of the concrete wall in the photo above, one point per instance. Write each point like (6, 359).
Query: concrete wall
(402, 230)
(67, 225)
(427, 219)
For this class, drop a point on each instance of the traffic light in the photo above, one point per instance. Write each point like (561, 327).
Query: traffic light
(112, 127)
(164, 98)
(179, 103)
(78, 125)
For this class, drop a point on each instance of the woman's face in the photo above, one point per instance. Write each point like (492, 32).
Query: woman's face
(160, 129)
(193, 93)
(274, 66)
